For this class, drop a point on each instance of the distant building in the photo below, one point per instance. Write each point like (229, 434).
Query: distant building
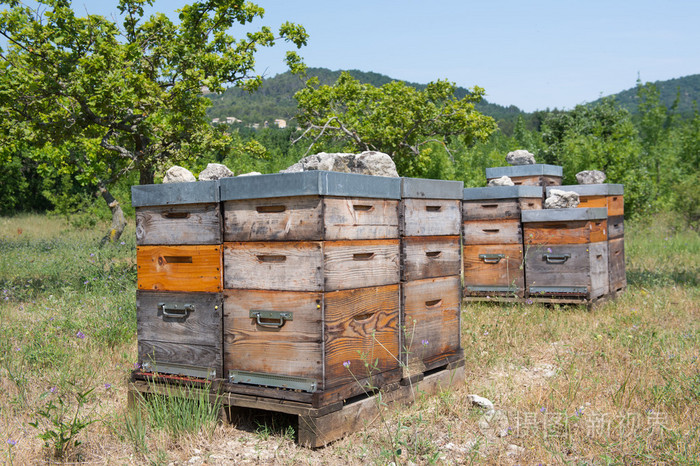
(233, 120)
(281, 123)
(216, 121)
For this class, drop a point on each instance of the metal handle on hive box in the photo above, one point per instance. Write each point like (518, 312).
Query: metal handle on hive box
(176, 310)
(556, 258)
(281, 316)
(491, 258)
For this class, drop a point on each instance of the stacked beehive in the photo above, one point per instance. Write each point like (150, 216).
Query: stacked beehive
(566, 253)
(430, 218)
(610, 196)
(493, 241)
(311, 278)
(179, 299)
(538, 174)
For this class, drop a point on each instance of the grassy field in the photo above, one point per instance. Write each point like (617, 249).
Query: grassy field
(617, 385)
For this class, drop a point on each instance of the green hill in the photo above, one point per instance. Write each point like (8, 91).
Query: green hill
(275, 99)
(686, 88)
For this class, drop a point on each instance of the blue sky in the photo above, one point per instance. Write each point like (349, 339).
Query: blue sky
(532, 54)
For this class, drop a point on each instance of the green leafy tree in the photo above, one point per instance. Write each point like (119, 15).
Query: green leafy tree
(600, 137)
(397, 119)
(126, 97)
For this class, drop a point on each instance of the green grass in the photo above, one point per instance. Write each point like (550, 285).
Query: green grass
(619, 384)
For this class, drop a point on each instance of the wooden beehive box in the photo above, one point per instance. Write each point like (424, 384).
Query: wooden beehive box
(566, 253)
(430, 218)
(528, 175)
(493, 250)
(610, 196)
(311, 281)
(179, 263)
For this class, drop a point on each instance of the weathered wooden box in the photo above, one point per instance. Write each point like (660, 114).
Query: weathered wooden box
(314, 344)
(564, 226)
(493, 252)
(177, 213)
(431, 321)
(500, 202)
(616, 265)
(310, 265)
(494, 270)
(536, 174)
(311, 282)
(430, 257)
(180, 333)
(310, 206)
(566, 253)
(179, 280)
(430, 207)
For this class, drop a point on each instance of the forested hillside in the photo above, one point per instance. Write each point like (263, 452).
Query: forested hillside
(686, 89)
(275, 98)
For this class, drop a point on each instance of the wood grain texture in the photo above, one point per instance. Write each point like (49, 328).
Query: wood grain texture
(294, 349)
(593, 201)
(178, 224)
(585, 267)
(616, 205)
(600, 277)
(616, 264)
(491, 271)
(283, 265)
(616, 227)
(496, 209)
(430, 217)
(360, 218)
(297, 218)
(431, 311)
(204, 356)
(492, 232)
(361, 325)
(202, 326)
(358, 264)
(179, 268)
(572, 232)
(429, 257)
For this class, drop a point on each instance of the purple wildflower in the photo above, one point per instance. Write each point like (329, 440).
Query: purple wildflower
(92, 254)
(347, 364)
(528, 301)
(425, 342)
(108, 386)
(80, 335)
(543, 409)
(11, 442)
(137, 365)
(122, 243)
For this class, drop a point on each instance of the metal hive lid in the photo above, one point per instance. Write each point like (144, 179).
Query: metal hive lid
(524, 170)
(194, 192)
(421, 188)
(310, 183)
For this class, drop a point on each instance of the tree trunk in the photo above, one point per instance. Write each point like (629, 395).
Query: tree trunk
(146, 174)
(118, 219)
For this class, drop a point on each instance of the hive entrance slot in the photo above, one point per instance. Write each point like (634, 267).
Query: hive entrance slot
(362, 207)
(363, 256)
(489, 206)
(433, 254)
(360, 317)
(270, 209)
(433, 303)
(176, 215)
(271, 258)
(177, 259)
(433, 208)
